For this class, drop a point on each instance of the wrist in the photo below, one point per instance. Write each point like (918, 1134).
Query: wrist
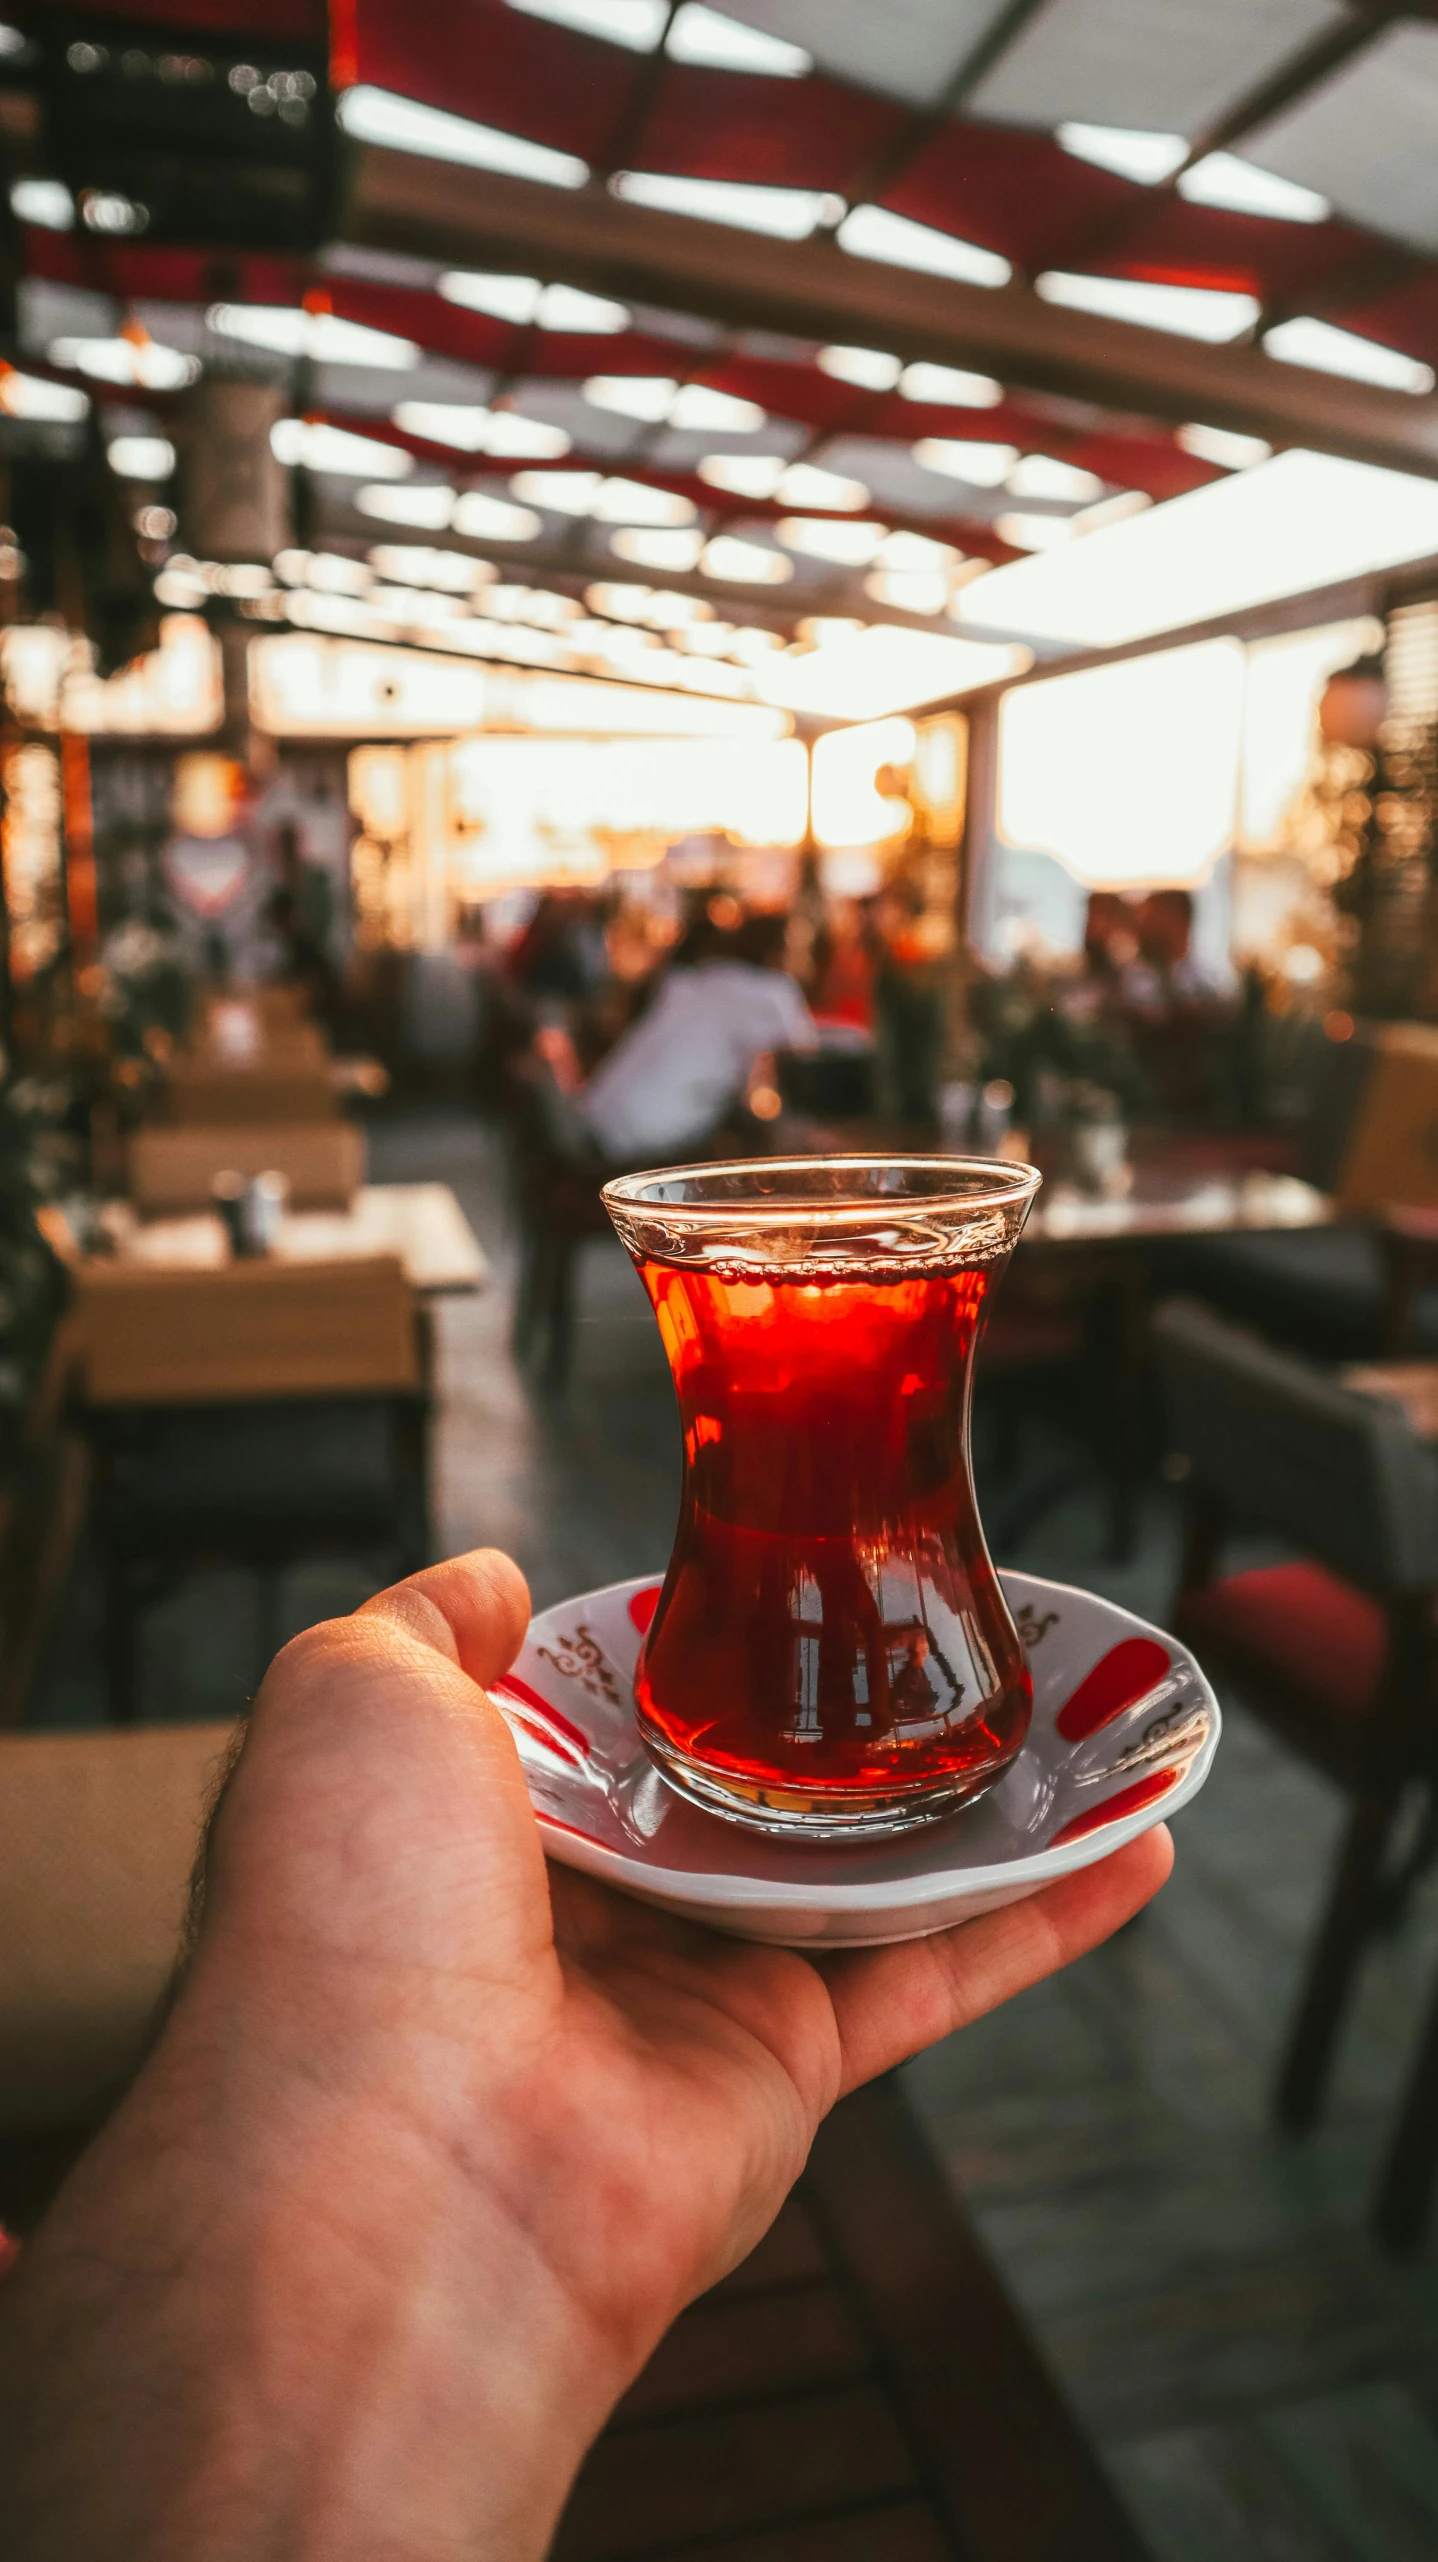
(320, 2337)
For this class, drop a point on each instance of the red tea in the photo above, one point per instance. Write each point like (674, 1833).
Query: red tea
(831, 1647)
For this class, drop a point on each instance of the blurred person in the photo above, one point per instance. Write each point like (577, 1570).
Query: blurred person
(436, 2142)
(841, 992)
(1110, 940)
(726, 1002)
(908, 1004)
(559, 955)
(302, 916)
(1165, 932)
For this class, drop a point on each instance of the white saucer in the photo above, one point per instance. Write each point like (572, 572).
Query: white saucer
(1124, 1732)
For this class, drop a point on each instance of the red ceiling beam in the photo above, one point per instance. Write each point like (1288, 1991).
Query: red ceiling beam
(812, 290)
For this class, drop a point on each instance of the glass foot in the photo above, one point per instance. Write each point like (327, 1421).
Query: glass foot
(817, 1815)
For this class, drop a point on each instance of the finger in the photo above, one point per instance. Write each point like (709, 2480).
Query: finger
(473, 1609)
(379, 1801)
(890, 2002)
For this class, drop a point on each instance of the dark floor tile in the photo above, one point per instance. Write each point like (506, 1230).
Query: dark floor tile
(1369, 2461)
(1222, 2495)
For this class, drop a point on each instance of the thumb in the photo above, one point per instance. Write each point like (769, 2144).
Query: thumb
(473, 1609)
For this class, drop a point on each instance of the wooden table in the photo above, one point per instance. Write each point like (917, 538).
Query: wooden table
(1161, 1205)
(420, 1222)
(861, 2389)
(1097, 1250)
(359, 1076)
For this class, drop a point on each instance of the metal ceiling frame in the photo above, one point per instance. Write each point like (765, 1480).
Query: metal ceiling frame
(1283, 87)
(812, 290)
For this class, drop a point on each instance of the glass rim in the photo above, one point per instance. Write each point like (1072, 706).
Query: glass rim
(981, 1183)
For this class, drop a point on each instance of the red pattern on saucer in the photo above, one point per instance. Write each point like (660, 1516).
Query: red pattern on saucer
(1123, 1734)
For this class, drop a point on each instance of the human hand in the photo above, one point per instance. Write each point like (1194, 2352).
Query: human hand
(437, 2141)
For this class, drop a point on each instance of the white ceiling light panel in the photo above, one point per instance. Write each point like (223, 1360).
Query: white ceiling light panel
(401, 124)
(793, 484)
(645, 549)
(658, 399)
(870, 231)
(867, 368)
(1223, 446)
(427, 505)
(1239, 186)
(979, 466)
(1188, 311)
(785, 213)
(1301, 522)
(482, 519)
(742, 564)
(323, 448)
(635, 24)
(863, 675)
(1146, 158)
(909, 49)
(723, 43)
(44, 201)
(853, 541)
(289, 330)
(700, 409)
(31, 396)
(1341, 351)
(950, 387)
(1044, 476)
(132, 362)
(525, 301)
(476, 430)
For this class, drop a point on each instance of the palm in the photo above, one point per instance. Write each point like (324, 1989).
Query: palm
(656, 2084)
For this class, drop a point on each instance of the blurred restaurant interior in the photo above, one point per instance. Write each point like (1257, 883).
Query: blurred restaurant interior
(590, 583)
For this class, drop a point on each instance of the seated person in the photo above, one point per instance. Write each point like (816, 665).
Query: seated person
(668, 1082)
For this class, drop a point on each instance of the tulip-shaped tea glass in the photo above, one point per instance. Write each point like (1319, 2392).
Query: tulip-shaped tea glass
(831, 1655)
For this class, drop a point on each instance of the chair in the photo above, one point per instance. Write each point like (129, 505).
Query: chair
(1334, 1651)
(1063, 1345)
(1363, 1287)
(44, 1495)
(201, 1089)
(275, 1006)
(98, 1834)
(174, 1169)
(253, 1412)
(556, 1195)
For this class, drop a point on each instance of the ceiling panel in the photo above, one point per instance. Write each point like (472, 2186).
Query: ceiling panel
(772, 133)
(894, 480)
(596, 431)
(907, 49)
(304, 19)
(682, 448)
(1182, 244)
(373, 394)
(1368, 139)
(1171, 66)
(1405, 317)
(478, 59)
(170, 274)
(1014, 192)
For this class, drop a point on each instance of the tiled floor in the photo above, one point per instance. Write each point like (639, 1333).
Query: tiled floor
(1262, 2382)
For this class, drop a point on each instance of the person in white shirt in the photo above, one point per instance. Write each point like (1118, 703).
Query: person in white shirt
(676, 1072)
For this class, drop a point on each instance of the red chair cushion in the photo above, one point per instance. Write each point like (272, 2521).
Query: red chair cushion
(1298, 1627)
